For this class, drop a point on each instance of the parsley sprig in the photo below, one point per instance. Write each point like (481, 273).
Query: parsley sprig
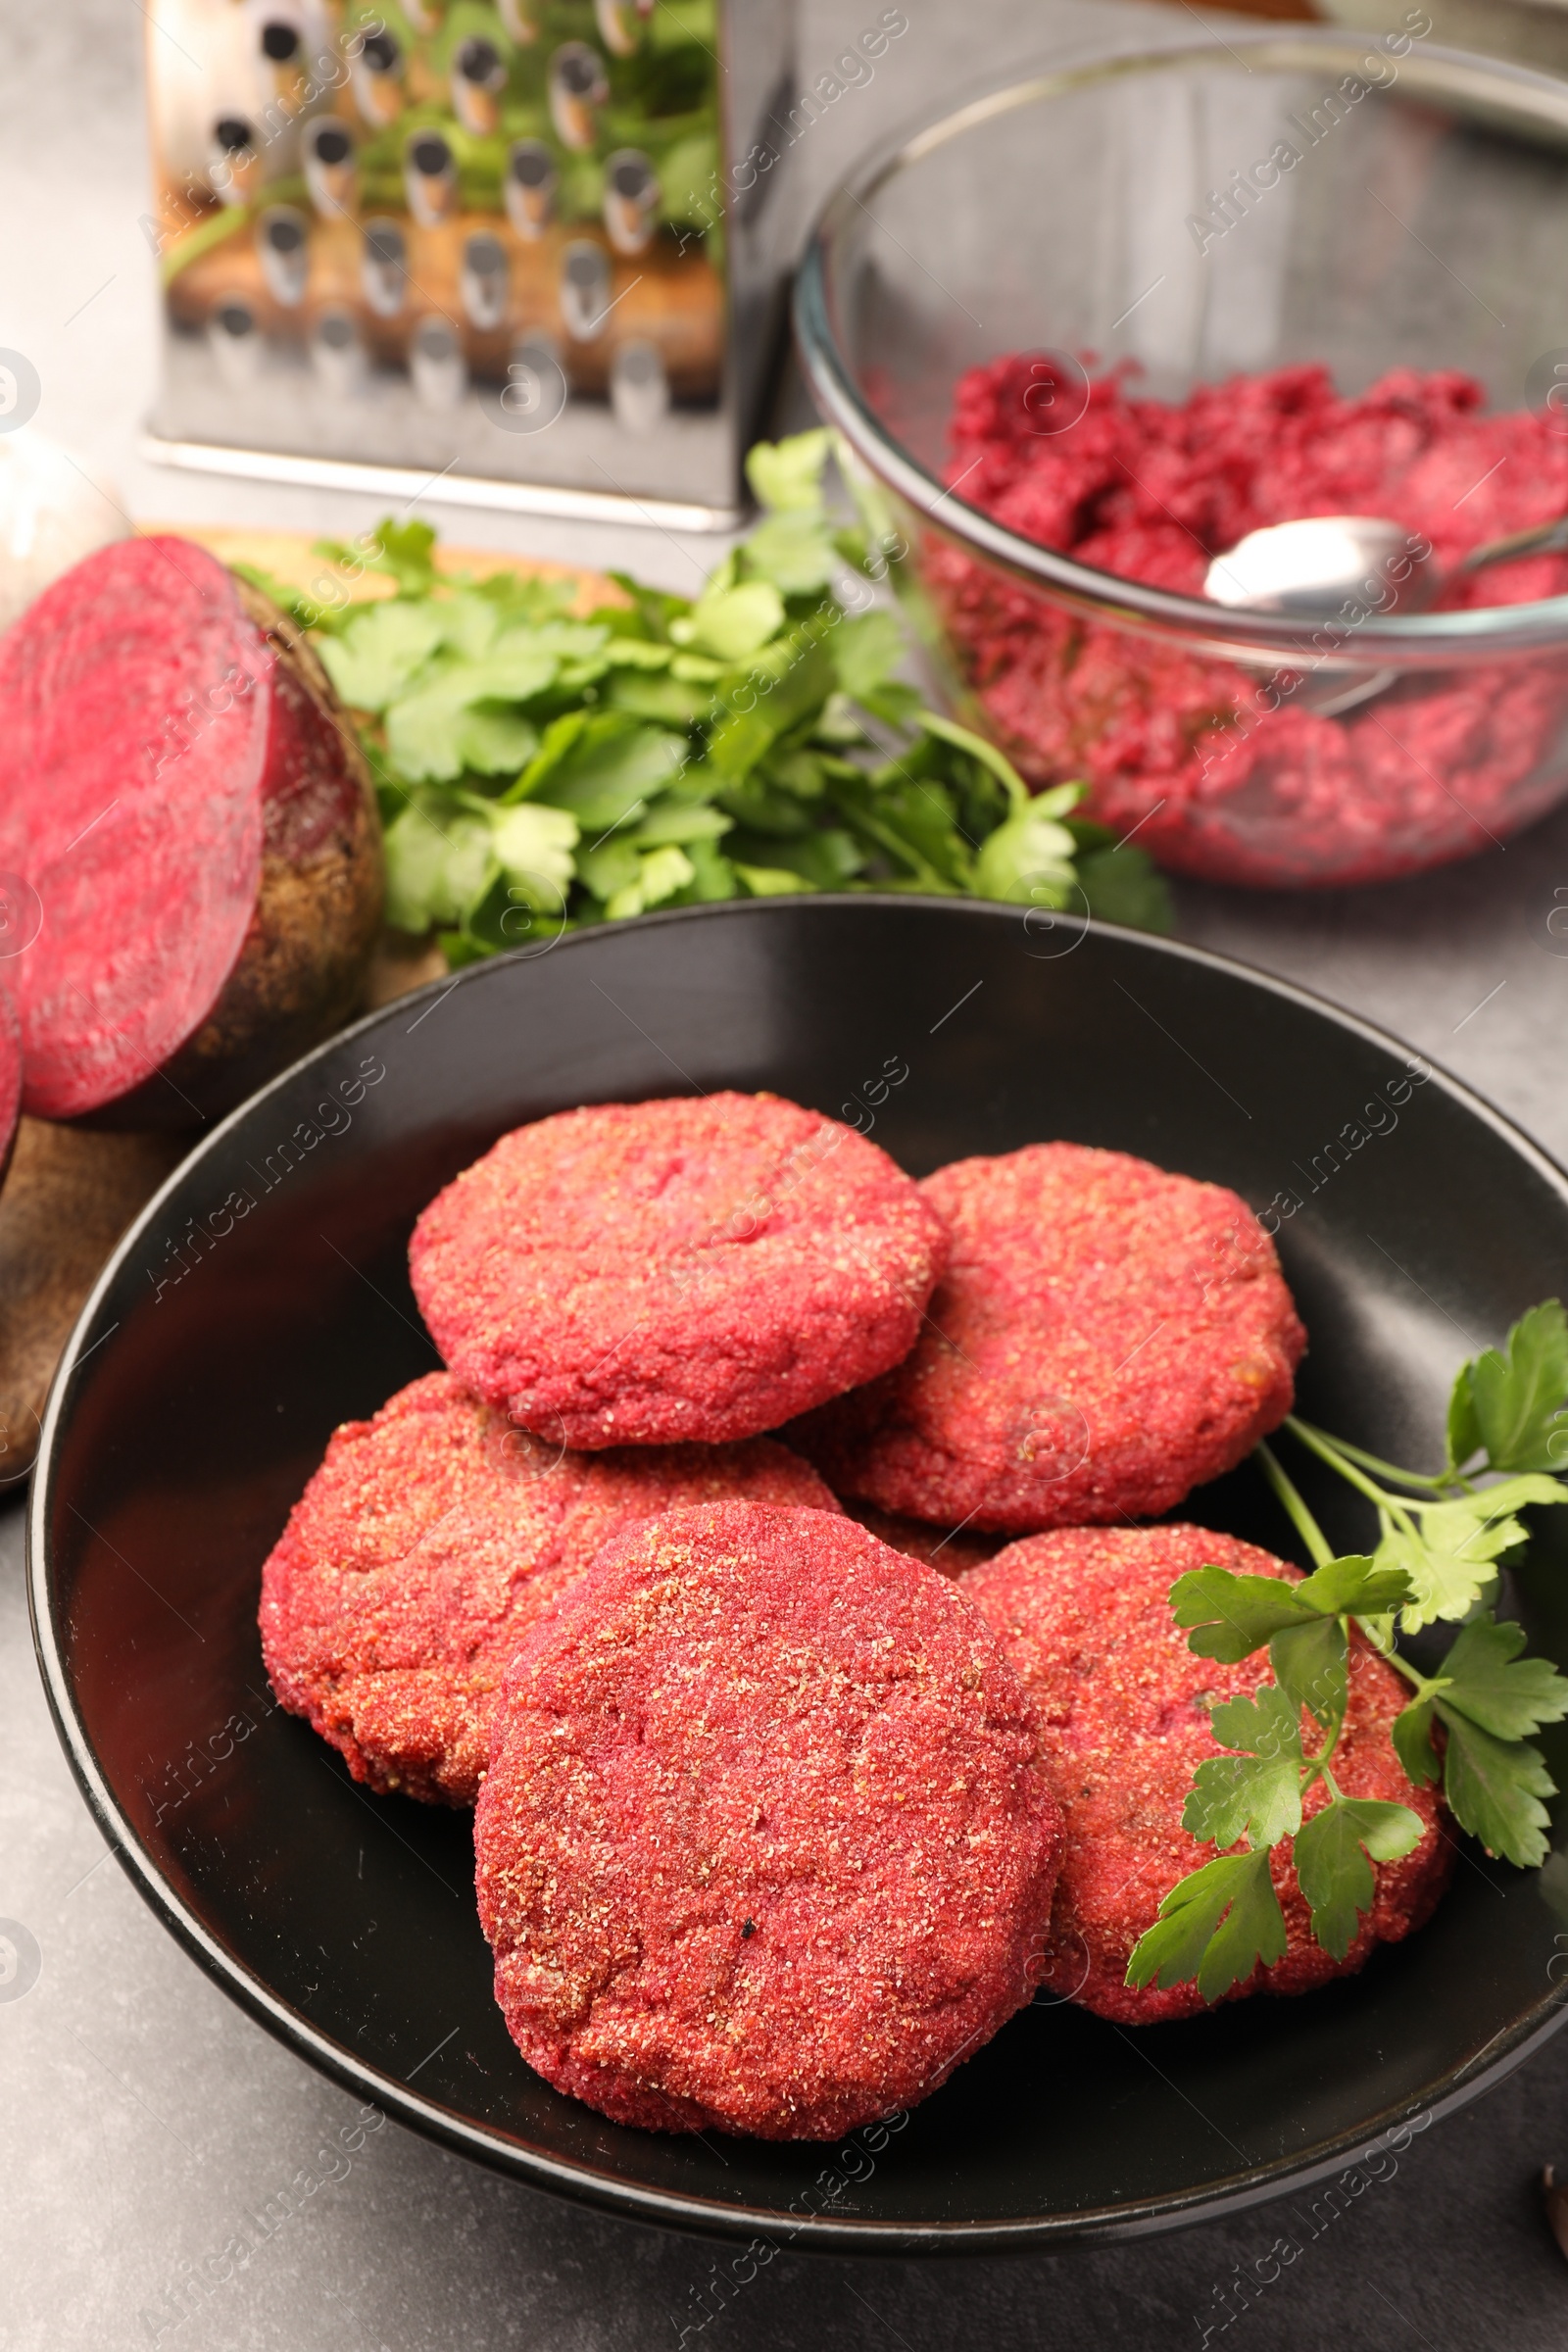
(539, 771)
(1441, 1541)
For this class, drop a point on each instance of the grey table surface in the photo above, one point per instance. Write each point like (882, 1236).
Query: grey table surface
(145, 2120)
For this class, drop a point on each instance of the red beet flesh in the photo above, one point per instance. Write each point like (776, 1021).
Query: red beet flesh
(194, 834)
(1220, 773)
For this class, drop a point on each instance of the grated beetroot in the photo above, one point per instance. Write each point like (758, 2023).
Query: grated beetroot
(1186, 747)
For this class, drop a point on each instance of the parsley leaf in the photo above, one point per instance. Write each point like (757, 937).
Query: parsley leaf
(1120, 884)
(1516, 1406)
(732, 622)
(535, 845)
(1413, 1742)
(786, 476)
(771, 881)
(724, 719)
(1308, 1662)
(494, 741)
(794, 551)
(610, 769)
(1258, 1793)
(866, 650)
(683, 822)
(1464, 1426)
(434, 870)
(1486, 1679)
(425, 729)
(1233, 1615)
(407, 553)
(1029, 861)
(1451, 1559)
(660, 874)
(515, 911)
(1216, 1926)
(787, 685)
(1331, 1861)
(1354, 1586)
(377, 653)
(1448, 1566)
(1494, 1786)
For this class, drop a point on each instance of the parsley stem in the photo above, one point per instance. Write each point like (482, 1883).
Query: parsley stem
(1317, 1767)
(1302, 1519)
(1328, 1450)
(1372, 1461)
(1391, 1657)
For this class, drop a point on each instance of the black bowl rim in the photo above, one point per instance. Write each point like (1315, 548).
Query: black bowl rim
(1232, 2193)
(1431, 640)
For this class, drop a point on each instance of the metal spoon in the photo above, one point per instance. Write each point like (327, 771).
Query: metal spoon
(1311, 568)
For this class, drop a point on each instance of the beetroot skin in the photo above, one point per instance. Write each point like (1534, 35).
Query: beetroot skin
(10, 1078)
(765, 1845)
(195, 826)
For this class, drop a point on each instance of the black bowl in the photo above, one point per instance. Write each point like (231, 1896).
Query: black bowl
(262, 1298)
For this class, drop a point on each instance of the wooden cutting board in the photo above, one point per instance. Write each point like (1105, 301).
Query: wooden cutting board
(70, 1195)
(289, 556)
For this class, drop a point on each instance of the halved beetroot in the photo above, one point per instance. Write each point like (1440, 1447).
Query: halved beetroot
(181, 792)
(10, 1078)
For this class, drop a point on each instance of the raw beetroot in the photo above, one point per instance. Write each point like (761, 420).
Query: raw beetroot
(194, 820)
(10, 1078)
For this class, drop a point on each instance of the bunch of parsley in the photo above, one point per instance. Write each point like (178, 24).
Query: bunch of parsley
(538, 772)
(1444, 1538)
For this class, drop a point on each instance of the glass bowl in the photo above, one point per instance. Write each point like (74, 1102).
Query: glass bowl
(1534, 32)
(1078, 216)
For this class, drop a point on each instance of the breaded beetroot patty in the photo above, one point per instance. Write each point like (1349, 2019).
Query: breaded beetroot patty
(429, 1542)
(1123, 1706)
(647, 1272)
(764, 1845)
(939, 1548)
(1106, 1338)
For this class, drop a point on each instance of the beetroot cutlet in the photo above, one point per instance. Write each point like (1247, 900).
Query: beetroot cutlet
(1106, 1338)
(950, 1550)
(429, 1542)
(647, 1272)
(764, 1846)
(1084, 1615)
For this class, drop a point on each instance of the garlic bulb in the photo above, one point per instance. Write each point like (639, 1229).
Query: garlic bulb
(50, 518)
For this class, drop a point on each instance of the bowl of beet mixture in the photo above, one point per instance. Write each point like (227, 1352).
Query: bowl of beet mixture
(1090, 330)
